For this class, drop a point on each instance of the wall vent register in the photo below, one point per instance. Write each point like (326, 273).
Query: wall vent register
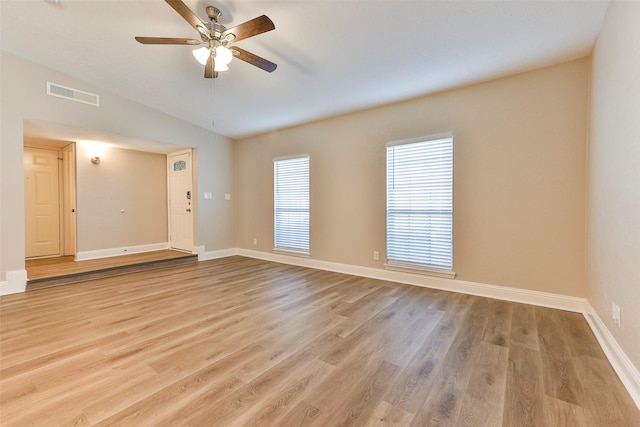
(72, 94)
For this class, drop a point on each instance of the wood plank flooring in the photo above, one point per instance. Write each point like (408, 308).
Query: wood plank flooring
(238, 341)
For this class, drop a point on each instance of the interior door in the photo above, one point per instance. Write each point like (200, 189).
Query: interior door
(180, 201)
(41, 199)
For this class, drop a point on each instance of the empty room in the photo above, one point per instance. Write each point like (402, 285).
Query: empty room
(319, 213)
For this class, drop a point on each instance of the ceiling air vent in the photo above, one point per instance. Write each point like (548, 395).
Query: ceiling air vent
(60, 91)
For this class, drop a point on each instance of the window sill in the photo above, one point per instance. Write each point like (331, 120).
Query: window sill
(447, 274)
(293, 252)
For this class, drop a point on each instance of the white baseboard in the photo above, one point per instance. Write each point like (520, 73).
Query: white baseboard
(222, 253)
(628, 373)
(125, 250)
(524, 296)
(16, 282)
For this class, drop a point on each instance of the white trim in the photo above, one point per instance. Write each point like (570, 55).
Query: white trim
(16, 282)
(293, 156)
(427, 271)
(525, 296)
(125, 250)
(221, 253)
(292, 252)
(425, 138)
(628, 373)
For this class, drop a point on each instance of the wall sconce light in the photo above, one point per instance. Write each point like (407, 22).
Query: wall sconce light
(94, 150)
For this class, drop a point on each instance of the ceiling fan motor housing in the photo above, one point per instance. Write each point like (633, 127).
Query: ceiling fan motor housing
(216, 30)
(213, 13)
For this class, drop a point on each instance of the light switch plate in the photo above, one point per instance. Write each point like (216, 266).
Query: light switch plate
(615, 313)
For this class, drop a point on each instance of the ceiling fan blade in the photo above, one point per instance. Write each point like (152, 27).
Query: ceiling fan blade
(209, 73)
(253, 59)
(188, 16)
(167, 40)
(256, 26)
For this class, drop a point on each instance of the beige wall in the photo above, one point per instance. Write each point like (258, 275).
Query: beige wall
(614, 176)
(129, 180)
(215, 163)
(24, 98)
(519, 192)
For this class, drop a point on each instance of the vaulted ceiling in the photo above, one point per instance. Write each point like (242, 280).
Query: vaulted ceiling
(333, 56)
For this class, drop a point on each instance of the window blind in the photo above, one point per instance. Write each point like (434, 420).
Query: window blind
(291, 204)
(420, 204)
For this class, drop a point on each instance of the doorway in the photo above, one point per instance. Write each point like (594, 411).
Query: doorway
(181, 200)
(49, 192)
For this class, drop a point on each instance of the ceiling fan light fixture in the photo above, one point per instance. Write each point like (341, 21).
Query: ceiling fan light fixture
(223, 55)
(220, 67)
(202, 54)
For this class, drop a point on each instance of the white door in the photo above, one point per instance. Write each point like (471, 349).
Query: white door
(41, 202)
(180, 201)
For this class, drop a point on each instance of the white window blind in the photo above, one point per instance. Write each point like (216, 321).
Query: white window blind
(291, 204)
(420, 203)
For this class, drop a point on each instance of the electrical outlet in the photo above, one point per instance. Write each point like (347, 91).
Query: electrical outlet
(255, 241)
(376, 255)
(615, 313)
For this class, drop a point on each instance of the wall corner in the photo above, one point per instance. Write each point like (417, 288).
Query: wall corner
(16, 282)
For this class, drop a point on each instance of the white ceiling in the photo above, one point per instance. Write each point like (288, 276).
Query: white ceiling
(333, 56)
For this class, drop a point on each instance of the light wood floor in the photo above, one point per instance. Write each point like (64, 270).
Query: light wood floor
(238, 341)
(39, 268)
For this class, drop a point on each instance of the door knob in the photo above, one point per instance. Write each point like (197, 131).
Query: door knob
(189, 210)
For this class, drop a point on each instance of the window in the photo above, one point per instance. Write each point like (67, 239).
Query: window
(420, 203)
(291, 204)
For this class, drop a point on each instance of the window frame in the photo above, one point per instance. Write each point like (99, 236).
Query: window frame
(291, 249)
(408, 265)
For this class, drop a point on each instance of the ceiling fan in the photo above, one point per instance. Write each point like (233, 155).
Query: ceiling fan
(214, 54)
